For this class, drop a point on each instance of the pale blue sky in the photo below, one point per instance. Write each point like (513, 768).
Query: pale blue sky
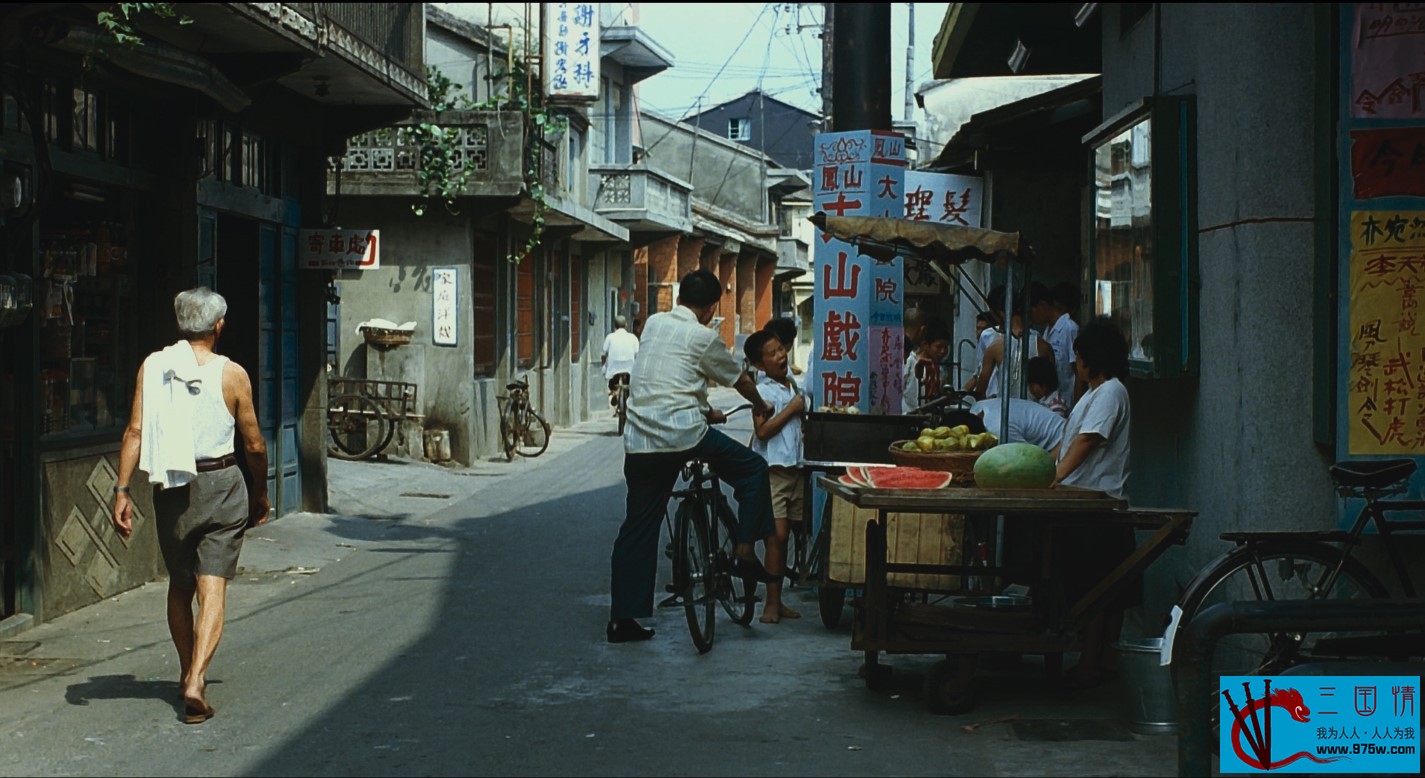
(779, 50)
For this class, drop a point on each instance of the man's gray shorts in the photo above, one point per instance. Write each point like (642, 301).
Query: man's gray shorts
(201, 525)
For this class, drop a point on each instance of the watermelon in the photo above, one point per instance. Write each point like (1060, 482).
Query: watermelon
(1015, 466)
(907, 478)
(849, 481)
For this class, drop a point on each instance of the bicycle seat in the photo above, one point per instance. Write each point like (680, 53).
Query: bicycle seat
(1324, 536)
(1372, 473)
(520, 385)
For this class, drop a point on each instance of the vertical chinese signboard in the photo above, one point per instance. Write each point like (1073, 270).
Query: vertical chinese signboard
(444, 319)
(571, 50)
(856, 299)
(1382, 226)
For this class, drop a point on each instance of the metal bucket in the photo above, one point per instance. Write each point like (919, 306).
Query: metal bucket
(1152, 704)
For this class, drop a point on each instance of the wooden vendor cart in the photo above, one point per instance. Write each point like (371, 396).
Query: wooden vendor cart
(891, 622)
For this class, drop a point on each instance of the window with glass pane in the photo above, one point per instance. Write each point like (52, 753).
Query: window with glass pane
(1144, 263)
(1123, 236)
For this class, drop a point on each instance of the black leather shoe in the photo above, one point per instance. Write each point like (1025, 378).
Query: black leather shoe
(627, 630)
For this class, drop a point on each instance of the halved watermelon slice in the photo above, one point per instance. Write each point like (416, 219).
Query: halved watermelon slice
(907, 478)
(863, 472)
(849, 481)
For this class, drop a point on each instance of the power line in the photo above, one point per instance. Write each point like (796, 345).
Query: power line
(714, 79)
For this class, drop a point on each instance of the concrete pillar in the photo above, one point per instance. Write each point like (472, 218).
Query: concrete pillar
(746, 288)
(690, 249)
(766, 293)
(727, 273)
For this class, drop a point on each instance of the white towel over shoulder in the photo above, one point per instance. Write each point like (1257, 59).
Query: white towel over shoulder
(166, 451)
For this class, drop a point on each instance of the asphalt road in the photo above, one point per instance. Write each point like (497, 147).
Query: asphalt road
(396, 640)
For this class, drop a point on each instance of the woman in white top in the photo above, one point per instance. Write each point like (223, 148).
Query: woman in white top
(1094, 455)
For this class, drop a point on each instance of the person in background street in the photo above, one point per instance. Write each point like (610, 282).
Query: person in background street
(187, 404)
(1050, 309)
(1094, 455)
(620, 348)
(1002, 351)
(668, 424)
(913, 327)
(922, 368)
(638, 328)
(1029, 422)
(985, 336)
(778, 439)
(1043, 385)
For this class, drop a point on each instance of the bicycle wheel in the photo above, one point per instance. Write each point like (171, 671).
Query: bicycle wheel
(738, 595)
(357, 425)
(1281, 570)
(693, 563)
(622, 406)
(509, 440)
(531, 434)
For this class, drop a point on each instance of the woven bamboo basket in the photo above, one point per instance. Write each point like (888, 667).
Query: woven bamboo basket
(961, 463)
(383, 338)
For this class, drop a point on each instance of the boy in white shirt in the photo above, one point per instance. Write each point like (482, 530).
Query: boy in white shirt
(778, 438)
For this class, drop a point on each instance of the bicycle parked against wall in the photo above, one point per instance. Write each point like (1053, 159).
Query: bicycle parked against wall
(703, 529)
(1307, 566)
(522, 430)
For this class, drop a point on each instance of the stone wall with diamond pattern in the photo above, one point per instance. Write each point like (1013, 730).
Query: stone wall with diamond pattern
(83, 558)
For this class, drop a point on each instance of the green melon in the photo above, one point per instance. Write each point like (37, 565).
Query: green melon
(1015, 466)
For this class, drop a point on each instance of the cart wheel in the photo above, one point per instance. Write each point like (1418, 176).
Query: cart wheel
(357, 426)
(830, 601)
(950, 686)
(876, 675)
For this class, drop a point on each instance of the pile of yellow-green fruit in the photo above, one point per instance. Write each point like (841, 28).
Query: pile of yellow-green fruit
(957, 438)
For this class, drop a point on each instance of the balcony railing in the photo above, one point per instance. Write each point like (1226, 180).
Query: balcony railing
(386, 162)
(633, 194)
(395, 29)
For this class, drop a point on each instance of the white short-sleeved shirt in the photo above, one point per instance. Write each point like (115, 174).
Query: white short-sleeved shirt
(1013, 358)
(620, 348)
(668, 393)
(1029, 422)
(1061, 338)
(785, 448)
(1103, 411)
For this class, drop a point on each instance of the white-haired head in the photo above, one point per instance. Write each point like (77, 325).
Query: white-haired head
(620, 320)
(198, 311)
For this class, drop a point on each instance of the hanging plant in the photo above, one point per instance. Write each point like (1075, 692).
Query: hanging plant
(540, 124)
(440, 167)
(119, 19)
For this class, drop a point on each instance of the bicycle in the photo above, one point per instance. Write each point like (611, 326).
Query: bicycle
(621, 401)
(1306, 565)
(522, 430)
(703, 529)
(358, 427)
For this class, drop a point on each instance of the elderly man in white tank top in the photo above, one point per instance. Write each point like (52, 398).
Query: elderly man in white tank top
(188, 403)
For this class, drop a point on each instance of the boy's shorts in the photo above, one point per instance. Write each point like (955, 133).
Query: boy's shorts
(788, 492)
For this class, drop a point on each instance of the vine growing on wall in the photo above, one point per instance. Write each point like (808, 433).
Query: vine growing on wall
(541, 124)
(118, 20)
(440, 168)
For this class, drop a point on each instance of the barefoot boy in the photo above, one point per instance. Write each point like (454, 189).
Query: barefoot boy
(778, 438)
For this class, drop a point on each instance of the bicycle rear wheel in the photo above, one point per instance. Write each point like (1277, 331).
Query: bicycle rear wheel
(1281, 570)
(357, 425)
(532, 436)
(509, 439)
(693, 558)
(738, 595)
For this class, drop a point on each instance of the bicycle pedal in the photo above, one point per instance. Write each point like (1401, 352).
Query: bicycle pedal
(676, 601)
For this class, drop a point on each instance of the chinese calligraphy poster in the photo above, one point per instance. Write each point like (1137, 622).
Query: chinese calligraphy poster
(1386, 383)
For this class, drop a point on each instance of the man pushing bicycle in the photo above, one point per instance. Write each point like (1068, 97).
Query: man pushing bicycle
(668, 424)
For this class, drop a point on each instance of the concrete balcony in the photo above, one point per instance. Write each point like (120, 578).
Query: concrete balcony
(647, 202)
(383, 162)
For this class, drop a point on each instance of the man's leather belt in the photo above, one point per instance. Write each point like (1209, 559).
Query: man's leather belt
(209, 465)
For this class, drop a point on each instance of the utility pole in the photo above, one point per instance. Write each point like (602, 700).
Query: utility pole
(909, 114)
(861, 67)
(828, 73)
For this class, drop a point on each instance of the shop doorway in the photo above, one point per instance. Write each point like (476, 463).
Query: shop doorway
(253, 265)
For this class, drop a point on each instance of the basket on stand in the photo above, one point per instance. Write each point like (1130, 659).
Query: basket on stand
(384, 338)
(961, 463)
